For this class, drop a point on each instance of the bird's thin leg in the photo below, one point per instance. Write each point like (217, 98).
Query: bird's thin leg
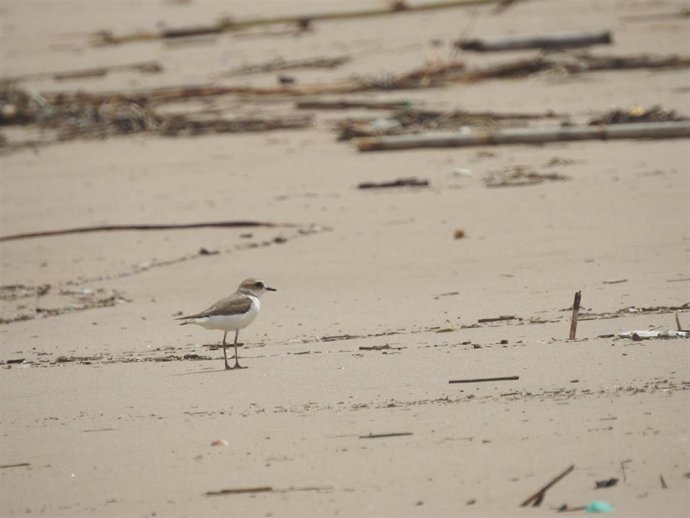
(237, 357)
(225, 353)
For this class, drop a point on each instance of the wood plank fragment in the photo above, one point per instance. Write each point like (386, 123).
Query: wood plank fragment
(575, 315)
(384, 435)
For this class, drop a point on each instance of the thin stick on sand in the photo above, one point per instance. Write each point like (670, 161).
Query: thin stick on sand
(576, 313)
(536, 499)
(478, 380)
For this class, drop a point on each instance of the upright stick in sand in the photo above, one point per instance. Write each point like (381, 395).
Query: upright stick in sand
(232, 313)
(576, 313)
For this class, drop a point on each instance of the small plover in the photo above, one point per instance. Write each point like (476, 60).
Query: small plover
(232, 313)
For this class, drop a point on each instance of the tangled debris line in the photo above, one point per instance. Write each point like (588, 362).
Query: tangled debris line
(84, 116)
(637, 114)
(50, 303)
(415, 121)
(521, 175)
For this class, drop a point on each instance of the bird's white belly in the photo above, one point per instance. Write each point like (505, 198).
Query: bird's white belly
(230, 322)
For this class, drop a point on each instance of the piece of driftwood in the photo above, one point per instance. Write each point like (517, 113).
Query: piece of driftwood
(400, 182)
(383, 435)
(19, 465)
(303, 22)
(240, 491)
(110, 228)
(562, 40)
(346, 104)
(661, 130)
(496, 319)
(282, 64)
(536, 499)
(480, 380)
(575, 315)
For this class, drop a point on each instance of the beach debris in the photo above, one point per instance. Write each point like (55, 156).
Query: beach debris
(573, 64)
(240, 491)
(281, 64)
(400, 182)
(465, 138)
(615, 281)
(536, 499)
(18, 465)
(459, 233)
(147, 67)
(347, 104)
(497, 319)
(384, 347)
(384, 435)
(220, 442)
(414, 121)
(169, 226)
(637, 114)
(663, 482)
(16, 361)
(176, 125)
(520, 175)
(302, 21)
(480, 380)
(637, 336)
(575, 315)
(602, 484)
(597, 506)
(206, 251)
(623, 463)
(555, 41)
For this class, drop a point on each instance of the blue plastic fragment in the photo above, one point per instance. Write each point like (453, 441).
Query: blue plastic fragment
(597, 506)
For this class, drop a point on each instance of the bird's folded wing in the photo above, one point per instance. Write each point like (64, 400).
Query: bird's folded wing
(232, 305)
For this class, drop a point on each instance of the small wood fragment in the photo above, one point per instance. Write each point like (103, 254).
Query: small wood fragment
(479, 380)
(346, 104)
(496, 319)
(663, 482)
(19, 465)
(400, 182)
(536, 499)
(574, 317)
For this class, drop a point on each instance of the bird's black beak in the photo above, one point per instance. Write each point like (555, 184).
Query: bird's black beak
(268, 288)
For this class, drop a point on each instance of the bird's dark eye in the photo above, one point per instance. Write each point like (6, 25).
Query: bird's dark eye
(260, 285)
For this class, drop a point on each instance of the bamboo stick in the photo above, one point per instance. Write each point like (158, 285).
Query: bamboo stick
(655, 130)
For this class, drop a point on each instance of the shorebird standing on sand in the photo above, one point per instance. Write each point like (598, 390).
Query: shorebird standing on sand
(232, 313)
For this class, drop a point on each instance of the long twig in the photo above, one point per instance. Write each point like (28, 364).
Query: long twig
(110, 228)
(301, 21)
(536, 499)
(478, 380)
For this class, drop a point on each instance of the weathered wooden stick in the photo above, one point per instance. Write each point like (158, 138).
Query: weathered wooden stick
(655, 130)
(536, 499)
(576, 313)
(400, 182)
(496, 319)
(107, 38)
(345, 104)
(542, 41)
(382, 435)
(479, 380)
(240, 491)
(109, 228)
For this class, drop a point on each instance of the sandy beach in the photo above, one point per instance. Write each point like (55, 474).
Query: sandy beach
(385, 295)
